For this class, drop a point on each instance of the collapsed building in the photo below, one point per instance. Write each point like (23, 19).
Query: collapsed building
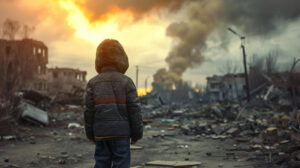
(24, 67)
(225, 88)
(28, 87)
(65, 80)
(23, 64)
(66, 85)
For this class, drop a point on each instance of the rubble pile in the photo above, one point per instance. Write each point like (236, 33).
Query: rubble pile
(32, 108)
(7, 125)
(269, 124)
(267, 128)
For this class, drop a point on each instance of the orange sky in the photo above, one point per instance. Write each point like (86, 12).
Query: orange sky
(72, 39)
(72, 34)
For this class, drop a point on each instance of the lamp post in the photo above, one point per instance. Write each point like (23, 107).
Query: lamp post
(244, 61)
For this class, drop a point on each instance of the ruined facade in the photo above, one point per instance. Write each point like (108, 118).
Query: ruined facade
(227, 88)
(23, 64)
(66, 80)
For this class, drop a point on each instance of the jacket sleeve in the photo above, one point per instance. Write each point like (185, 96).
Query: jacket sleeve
(89, 112)
(134, 112)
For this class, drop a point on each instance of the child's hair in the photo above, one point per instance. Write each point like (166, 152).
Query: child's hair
(111, 53)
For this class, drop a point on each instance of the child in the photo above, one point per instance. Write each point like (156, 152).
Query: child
(112, 115)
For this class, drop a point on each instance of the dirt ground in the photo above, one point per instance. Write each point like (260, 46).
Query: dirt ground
(59, 146)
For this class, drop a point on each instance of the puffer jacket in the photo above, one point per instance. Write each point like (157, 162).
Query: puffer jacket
(112, 106)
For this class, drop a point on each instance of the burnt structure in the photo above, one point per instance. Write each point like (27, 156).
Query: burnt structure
(23, 64)
(66, 80)
(227, 88)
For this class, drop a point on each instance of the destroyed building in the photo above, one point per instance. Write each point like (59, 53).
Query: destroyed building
(24, 61)
(66, 80)
(227, 88)
(23, 64)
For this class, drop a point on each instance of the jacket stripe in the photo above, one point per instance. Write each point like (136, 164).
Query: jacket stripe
(110, 100)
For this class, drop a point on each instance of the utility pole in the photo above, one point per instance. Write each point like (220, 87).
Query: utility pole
(137, 77)
(244, 61)
(146, 82)
(246, 72)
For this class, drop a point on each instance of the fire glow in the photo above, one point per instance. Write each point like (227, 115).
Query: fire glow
(143, 91)
(92, 32)
(116, 23)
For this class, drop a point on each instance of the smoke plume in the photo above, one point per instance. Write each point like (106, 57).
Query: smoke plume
(201, 18)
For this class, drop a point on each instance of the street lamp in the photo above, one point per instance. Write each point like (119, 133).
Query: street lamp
(244, 60)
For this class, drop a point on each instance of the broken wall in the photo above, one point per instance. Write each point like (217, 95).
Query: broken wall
(227, 88)
(23, 64)
(66, 80)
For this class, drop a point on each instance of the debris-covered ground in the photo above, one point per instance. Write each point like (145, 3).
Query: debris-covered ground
(61, 146)
(264, 132)
(206, 136)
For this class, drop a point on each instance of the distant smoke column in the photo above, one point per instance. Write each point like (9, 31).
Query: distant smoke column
(190, 34)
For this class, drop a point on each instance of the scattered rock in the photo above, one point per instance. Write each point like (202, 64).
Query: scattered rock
(79, 155)
(208, 154)
(298, 157)
(9, 137)
(242, 139)
(74, 125)
(13, 166)
(61, 161)
(217, 129)
(233, 131)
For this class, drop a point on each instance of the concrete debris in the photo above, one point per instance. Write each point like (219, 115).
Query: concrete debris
(36, 98)
(242, 139)
(263, 130)
(33, 114)
(233, 131)
(263, 123)
(173, 163)
(217, 129)
(217, 111)
(167, 120)
(178, 112)
(9, 137)
(153, 100)
(7, 125)
(74, 125)
(284, 102)
(62, 161)
(72, 106)
(134, 147)
(68, 116)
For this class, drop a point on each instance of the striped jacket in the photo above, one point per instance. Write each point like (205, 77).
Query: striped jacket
(112, 106)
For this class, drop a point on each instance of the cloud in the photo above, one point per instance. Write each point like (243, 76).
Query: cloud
(98, 9)
(47, 18)
(188, 32)
(259, 17)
